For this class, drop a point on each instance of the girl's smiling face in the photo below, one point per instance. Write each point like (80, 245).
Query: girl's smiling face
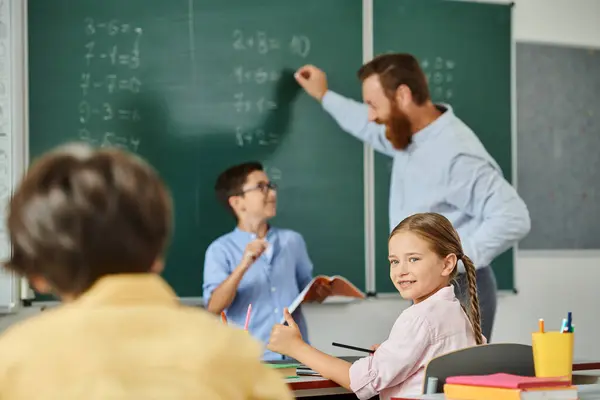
(415, 269)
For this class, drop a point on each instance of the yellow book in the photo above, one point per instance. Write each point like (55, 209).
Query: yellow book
(464, 392)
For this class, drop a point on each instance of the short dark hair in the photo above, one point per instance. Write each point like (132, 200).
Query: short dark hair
(397, 69)
(231, 181)
(80, 214)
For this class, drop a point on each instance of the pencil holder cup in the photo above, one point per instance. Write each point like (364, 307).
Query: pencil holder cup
(553, 354)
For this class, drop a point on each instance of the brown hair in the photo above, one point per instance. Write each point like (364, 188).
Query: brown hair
(231, 182)
(438, 231)
(80, 214)
(398, 69)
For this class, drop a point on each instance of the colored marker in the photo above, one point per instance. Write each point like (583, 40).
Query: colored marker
(564, 325)
(569, 321)
(541, 323)
(248, 317)
(223, 317)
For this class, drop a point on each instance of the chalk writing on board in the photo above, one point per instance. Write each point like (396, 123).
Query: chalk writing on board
(112, 83)
(260, 105)
(132, 84)
(258, 41)
(255, 136)
(98, 114)
(440, 74)
(89, 52)
(244, 104)
(128, 114)
(111, 28)
(111, 139)
(273, 173)
(113, 56)
(300, 45)
(86, 112)
(85, 83)
(259, 75)
(262, 43)
(85, 136)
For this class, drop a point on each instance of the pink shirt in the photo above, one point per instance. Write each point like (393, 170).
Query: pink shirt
(423, 331)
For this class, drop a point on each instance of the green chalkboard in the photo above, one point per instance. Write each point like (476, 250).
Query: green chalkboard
(465, 49)
(196, 86)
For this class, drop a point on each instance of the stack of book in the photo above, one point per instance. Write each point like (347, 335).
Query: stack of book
(508, 387)
(303, 370)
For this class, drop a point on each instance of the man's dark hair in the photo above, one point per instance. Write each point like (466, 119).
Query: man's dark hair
(231, 181)
(395, 70)
(80, 214)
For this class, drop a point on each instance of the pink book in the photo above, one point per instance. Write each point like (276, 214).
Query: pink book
(507, 381)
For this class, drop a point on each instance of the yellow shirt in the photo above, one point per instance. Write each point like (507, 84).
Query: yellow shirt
(129, 338)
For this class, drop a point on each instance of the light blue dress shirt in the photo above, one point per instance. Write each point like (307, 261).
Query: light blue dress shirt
(270, 284)
(445, 170)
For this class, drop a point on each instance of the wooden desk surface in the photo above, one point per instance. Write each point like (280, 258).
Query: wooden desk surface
(306, 386)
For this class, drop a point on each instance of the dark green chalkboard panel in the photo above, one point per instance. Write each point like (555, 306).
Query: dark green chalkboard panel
(465, 49)
(195, 86)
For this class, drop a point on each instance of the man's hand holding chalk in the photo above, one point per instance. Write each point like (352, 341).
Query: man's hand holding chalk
(313, 81)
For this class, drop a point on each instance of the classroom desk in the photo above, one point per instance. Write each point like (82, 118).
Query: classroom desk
(312, 386)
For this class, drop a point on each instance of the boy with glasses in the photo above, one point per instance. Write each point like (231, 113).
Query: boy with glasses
(256, 263)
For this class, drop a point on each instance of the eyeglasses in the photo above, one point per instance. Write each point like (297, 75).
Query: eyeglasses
(262, 186)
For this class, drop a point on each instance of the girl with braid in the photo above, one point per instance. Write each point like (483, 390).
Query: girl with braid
(424, 250)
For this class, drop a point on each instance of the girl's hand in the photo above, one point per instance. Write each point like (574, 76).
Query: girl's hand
(285, 338)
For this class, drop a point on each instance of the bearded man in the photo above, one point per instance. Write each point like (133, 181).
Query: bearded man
(439, 164)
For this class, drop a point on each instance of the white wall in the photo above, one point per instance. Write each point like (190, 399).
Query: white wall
(570, 22)
(549, 284)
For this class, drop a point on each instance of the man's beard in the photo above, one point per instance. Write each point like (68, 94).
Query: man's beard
(398, 129)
